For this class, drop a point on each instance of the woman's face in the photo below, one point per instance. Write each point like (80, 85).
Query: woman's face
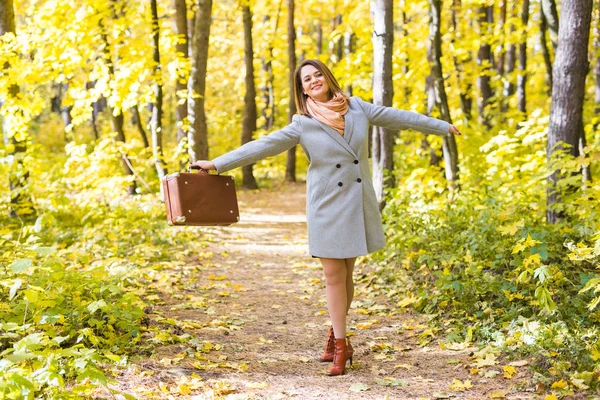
(314, 84)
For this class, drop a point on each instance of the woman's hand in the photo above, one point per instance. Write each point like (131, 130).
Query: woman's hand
(453, 130)
(203, 165)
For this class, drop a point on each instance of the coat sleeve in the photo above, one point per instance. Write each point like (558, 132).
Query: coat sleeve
(274, 143)
(392, 118)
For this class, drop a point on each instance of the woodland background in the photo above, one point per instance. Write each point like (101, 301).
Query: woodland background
(494, 236)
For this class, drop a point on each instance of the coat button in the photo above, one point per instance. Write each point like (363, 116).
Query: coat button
(340, 183)
(338, 165)
(355, 161)
(358, 180)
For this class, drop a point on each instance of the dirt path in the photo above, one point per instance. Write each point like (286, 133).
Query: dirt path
(256, 304)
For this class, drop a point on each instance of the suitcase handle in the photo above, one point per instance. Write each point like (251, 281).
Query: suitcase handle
(200, 171)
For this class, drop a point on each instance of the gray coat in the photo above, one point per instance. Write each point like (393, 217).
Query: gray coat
(341, 208)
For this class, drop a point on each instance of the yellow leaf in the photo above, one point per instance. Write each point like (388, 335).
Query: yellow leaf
(529, 242)
(217, 278)
(559, 384)
(550, 397)
(474, 371)
(183, 389)
(460, 386)
(407, 301)
(518, 248)
(534, 259)
(163, 387)
(509, 371)
(365, 325)
(510, 229)
(488, 361)
(498, 394)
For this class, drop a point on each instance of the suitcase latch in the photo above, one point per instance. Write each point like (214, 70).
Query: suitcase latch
(180, 219)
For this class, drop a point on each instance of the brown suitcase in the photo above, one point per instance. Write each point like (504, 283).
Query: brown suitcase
(200, 199)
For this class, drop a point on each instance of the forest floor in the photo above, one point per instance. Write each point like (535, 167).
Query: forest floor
(246, 318)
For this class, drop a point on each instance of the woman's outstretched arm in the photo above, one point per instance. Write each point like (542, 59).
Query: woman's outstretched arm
(392, 118)
(274, 143)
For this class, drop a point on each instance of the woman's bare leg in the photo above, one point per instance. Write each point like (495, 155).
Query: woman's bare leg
(335, 282)
(349, 282)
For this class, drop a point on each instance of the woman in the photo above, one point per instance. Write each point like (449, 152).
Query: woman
(343, 216)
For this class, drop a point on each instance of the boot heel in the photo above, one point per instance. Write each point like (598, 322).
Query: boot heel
(350, 361)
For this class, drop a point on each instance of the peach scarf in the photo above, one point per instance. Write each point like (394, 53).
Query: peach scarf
(330, 113)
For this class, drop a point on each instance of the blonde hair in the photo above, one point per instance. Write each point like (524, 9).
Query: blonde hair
(300, 97)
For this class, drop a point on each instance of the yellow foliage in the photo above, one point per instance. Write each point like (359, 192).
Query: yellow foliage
(509, 371)
(459, 386)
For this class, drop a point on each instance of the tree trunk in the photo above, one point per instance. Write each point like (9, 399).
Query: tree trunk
(511, 61)
(466, 101)
(182, 49)
(501, 52)
(597, 69)
(137, 121)
(348, 48)
(483, 61)
(18, 174)
(437, 91)
(546, 51)
(64, 111)
(116, 119)
(405, 61)
(383, 94)
(156, 123)
(268, 94)
(550, 12)
(290, 168)
(249, 118)
(522, 77)
(319, 38)
(570, 69)
(340, 42)
(198, 130)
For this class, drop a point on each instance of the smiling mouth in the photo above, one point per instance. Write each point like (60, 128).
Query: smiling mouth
(317, 87)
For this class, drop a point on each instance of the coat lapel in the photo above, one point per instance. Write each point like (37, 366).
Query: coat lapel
(336, 136)
(348, 126)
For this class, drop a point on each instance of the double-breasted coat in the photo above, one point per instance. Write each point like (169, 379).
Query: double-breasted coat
(341, 207)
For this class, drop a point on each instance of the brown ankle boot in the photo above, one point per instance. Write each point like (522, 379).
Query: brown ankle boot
(330, 347)
(339, 358)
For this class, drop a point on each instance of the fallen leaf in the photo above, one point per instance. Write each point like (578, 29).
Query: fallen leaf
(391, 382)
(550, 397)
(559, 384)
(498, 394)
(491, 373)
(442, 395)
(358, 387)
(461, 386)
(183, 389)
(521, 363)
(509, 371)
(489, 360)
